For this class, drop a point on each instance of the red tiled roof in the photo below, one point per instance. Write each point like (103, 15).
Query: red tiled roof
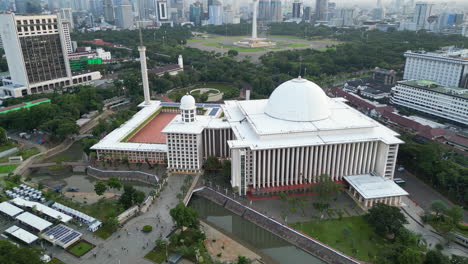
(166, 68)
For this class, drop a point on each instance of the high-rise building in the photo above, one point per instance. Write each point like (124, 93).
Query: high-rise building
(196, 12)
(162, 11)
(297, 10)
(109, 11)
(36, 50)
(421, 12)
(378, 13)
(28, 6)
(53, 4)
(264, 10)
(306, 14)
(446, 67)
(216, 13)
(144, 9)
(66, 15)
(124, 15)
(321, 10)
(276, 12)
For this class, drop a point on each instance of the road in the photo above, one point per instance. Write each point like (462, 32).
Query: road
(130, 248)
(422, 193)
(413, 213)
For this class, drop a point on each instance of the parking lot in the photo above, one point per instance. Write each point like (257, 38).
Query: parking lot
(422, 193)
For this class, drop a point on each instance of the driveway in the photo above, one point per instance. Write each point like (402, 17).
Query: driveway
(129, 244)
(422, 193)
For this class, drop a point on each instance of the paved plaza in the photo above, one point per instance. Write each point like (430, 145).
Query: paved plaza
(129, 244)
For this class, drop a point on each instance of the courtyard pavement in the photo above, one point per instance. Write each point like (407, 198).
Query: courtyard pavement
(129, 244)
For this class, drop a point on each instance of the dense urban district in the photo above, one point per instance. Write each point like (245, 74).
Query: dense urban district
(235, 132)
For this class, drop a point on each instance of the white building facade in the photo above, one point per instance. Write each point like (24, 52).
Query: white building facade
(446, 102)
(448, 68)
(287, 142)
(37, 49)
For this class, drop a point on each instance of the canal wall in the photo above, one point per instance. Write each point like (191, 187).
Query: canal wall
(308, 244)
(123, 175)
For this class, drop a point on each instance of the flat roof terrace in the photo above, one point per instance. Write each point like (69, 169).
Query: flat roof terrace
(151, 132)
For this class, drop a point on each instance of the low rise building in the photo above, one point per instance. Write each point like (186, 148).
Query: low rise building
(450, 103)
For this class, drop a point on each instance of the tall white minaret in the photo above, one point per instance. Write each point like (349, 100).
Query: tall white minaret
(144, 71)
(254, 20)
(181, 61)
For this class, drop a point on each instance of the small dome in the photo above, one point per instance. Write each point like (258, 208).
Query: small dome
(187, 102)
(298, 100)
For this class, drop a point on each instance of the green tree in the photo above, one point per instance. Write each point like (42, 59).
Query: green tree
(87, 143)
(114, 183)
(436, 257)
(233, 53)
(160, 243)
(131, 196)
(112, 223)
(386, 220)
(212, 163)
(455, 213)
(410, 256)
(3, 136)
(326, 188)
(243, 260)
(184, 216)
(100, 188)
(11, 254)
(438, 207)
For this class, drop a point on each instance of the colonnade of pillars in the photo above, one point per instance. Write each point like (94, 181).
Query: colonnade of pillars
(392, 200)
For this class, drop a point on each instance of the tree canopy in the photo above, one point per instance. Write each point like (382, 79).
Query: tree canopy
(11, 254)
(386, 220)
(184, 216)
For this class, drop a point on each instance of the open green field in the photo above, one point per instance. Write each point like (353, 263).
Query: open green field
(80, 248)
(282, 45)
(227, 89)
(351, 235)
(8, 168)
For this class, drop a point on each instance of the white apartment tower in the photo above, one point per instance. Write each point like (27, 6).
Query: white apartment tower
(450, 103)
(37, 49)
(448, 67)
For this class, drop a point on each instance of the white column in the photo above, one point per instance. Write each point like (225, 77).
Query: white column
(329, 158)
(268, 172)
(263, 168)
(315, 163)
(301, 165)
(351, 159)
(254, 20)
(374, 155)
(254, 171)
(273, 168)
(366, 157)
(144, 74)
(283, 166)
(334, 163)
(288, 165)
(320, 157)
(339, 163)
(293, 166)
(307, 165)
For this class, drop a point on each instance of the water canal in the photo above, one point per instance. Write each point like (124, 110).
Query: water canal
(274, 249)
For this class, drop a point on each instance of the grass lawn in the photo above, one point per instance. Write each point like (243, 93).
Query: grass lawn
(7, 146)
(157, 256)
(360, 242)
(80, 248)
(56, 261)
(444, 227)
(298, 45)
(8, 168)
(222, 87)
(285, 37)
(104, 231)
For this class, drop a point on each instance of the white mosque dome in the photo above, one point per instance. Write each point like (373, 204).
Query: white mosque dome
(187, 102)
(298, 100)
